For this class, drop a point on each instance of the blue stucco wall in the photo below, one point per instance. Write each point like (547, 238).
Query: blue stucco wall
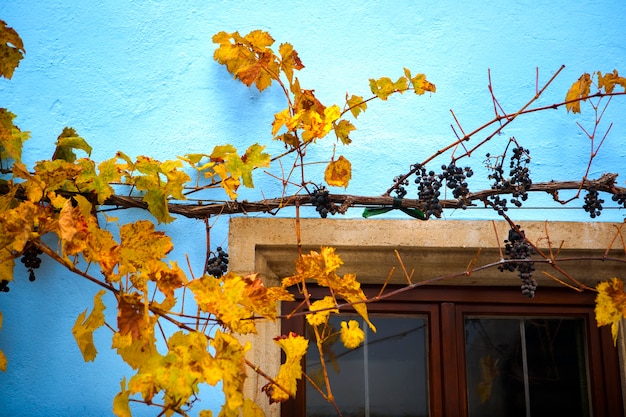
(138, 76)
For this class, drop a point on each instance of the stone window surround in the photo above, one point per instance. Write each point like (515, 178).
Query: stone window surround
(368, 248)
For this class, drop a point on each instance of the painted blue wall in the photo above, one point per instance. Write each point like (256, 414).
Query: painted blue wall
(138, 76)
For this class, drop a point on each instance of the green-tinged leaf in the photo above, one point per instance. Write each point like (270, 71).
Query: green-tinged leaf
(342, 130)
(420, 83)
(11, 50)
(290, 60)
(253, 158)
(356, 104)
(120, 402)
(11, 137)
(67, 142)
(83, 328)
(384, 87)
(7, 263)
(577, 92)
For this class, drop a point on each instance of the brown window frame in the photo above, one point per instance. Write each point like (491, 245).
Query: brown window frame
(446, 308)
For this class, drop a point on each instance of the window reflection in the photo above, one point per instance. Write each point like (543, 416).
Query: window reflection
(525, 366)
(386, 376)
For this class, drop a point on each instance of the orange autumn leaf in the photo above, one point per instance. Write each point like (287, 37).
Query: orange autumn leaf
(608, 81)
(132, 317)
(338, 173)
(577, 92)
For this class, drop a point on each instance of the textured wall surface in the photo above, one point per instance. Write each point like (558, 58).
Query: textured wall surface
(138, 76)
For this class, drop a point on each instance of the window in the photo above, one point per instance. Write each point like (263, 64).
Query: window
(459, 351)
(437, 249)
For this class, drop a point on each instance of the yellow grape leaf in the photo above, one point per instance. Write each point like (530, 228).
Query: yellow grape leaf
(326, 304)
(84, 327)
(178, 374)
(168, 279)
(7, 263)
(280, 119)
(384, 87)
(290, 371)
(11, 137)
(608, 81)
(67, 225)
(135, 352)
(205, 413)
(251, 409)
(67, 141)
(420, 83)
(90, 180)
(140, 243)
(228, 183)
(611, 304)
(315, 266)
(158, 205)
(248, 58)
(343, 129)
(11, 50)
(120, 402)
(231, 357)
(289, 60)
(261, 299)
(253, 158)
(25, 222)
(225, 297)
(578, 91)
(350, 290)
(351, 334)
(356, 104)
(338, 173)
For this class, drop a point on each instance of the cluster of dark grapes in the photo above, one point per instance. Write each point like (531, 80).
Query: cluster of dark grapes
(31, 260)
(518, 181)
(430, 183)
(217, 264)
(400, 189)
(517, 248)
(321, 200)
(4, 285)
(620, 198)
(593, 204)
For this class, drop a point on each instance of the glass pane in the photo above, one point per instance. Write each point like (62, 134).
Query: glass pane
(386, 376)
(495, 373)
(557, 371)
(526, 367)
